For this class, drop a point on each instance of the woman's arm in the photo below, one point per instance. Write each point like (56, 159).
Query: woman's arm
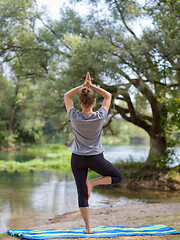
(68, 97)
(107, 96)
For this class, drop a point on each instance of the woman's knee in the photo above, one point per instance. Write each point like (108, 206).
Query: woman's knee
(82, 194)
(83, 201)
(117, 179)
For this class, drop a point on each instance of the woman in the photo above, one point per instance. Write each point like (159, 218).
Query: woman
(88, 151)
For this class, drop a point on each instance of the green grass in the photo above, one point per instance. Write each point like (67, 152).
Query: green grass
(113, 140)
(46, 148)
(130, 169)
(57, 157)
(36, 164)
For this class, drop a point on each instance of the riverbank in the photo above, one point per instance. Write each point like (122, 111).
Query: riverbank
(132, 215)
(36, 158)
(57, 157)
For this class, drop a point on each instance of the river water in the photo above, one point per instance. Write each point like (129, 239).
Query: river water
(28, 199)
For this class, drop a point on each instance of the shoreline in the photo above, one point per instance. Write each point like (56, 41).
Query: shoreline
(142, 214)
(126, 215)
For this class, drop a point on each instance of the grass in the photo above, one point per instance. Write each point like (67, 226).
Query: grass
(36, 164)
(57, 158)
(175, 175)
(113, 140)
(46, 147)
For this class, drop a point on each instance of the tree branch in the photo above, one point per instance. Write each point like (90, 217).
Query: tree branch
(124, 22)
(146, 91)
(111, 89)
(57, 130)
(168, 85)
(137, 121)
(130, 106)
(123, 112)
(55, 33)
(22, 50)
(109, 121)
(144, 117)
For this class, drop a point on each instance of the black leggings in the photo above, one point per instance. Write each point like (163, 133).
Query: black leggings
(97, 163)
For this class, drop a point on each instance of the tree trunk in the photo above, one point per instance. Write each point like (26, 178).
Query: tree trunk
(158, 151)
(10, 128)
(13, 112)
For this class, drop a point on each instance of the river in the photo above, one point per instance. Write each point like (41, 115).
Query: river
(28, 199)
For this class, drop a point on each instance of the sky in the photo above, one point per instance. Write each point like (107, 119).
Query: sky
(53, 6)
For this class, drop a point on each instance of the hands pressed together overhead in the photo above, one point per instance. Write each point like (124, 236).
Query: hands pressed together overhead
(87, 80)
(68, 95)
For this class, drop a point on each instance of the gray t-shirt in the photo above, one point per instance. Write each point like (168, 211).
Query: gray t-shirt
(87, 131)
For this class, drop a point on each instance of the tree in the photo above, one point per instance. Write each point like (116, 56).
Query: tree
(18, 49)
(34, 58)
(132, 67)
(147, 65)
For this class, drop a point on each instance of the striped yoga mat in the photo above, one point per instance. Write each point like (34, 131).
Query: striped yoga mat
(97, 232)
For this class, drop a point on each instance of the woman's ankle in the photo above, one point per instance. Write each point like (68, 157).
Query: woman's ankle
(88, 229)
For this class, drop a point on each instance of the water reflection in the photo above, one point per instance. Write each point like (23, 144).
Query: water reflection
(20, 156)
(137, 153)
(28, 199)
(134, 152)
(142, 195)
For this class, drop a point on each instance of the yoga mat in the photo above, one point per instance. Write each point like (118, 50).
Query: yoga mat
(97, 232)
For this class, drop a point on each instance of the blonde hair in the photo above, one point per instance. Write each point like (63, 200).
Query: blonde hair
(86, 96)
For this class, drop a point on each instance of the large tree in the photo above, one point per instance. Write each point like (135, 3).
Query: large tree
(131, 66)
(19, 116)
(31, 59)
(127, 64)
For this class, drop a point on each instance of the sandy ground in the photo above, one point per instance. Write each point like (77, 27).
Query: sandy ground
(125, 215)
(132, 215)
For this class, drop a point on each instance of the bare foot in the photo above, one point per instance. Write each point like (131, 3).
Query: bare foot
(89, 187)
(88, 230)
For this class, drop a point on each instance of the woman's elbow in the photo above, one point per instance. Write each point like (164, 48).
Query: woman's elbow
(110, 96)
(66, 96)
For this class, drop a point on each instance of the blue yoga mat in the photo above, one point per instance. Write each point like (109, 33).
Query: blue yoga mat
(97, 232)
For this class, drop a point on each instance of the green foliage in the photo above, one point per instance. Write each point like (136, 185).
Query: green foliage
(121, 132)
(114, 140)
(175, 176)
(57, 158)
(19, 118)
(10, 140)
(18, 113)
(36, 164)
(141, 103)
(70, 22)
(151, 58)
(130, 169)
(135, 171)
(141, 72)
(173, 127)
(14, 20)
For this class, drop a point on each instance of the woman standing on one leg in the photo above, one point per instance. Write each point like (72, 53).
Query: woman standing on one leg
(88, 151)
